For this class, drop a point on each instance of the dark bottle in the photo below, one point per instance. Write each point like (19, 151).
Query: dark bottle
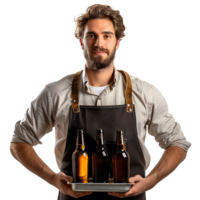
(100, 160)
(80, 160)
(121, 161)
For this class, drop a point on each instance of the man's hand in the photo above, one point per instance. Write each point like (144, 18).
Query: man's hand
(171, 158)
(141, 185)
(60, 181)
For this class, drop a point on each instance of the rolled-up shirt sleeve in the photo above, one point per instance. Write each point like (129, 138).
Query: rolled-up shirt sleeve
(163, 126)
(37, 122)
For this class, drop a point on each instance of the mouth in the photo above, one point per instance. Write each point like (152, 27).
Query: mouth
(99, 52)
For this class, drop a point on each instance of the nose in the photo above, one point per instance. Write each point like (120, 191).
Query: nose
(99, 42)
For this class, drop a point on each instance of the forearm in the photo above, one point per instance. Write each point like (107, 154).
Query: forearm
(27, 156)
(171, 158)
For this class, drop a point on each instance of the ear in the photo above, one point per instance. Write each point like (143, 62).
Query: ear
(80, 43)
(117, 45)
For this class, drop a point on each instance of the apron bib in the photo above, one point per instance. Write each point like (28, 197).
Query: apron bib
(111, 119)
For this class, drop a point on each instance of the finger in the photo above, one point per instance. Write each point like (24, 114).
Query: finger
(111, 193)
(69, 179)
(81, 195)
(117, 194)
(130, 193)
(132, 190)
(135, 179)
(66, 178)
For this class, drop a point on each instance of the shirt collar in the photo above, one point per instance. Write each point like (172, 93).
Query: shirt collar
(113, 83)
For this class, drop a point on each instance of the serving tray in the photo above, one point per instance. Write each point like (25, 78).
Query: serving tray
(101, 187)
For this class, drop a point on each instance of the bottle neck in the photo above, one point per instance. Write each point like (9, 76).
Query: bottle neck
(120, 147)
(80, 142)
(120, 141)
(80, 147)
(99, 141)
(100, 147)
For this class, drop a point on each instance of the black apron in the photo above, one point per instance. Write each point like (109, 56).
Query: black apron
(111, 119)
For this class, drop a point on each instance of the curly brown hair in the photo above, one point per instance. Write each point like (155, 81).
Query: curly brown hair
(100, 11)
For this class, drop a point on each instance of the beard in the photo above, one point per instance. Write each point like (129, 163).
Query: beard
(97, 62)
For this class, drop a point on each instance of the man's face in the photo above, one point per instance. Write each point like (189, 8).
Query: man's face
(99, 43)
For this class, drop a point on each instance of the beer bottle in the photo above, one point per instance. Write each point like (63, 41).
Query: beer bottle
(121, 161)
(100, 160)
(80, 160)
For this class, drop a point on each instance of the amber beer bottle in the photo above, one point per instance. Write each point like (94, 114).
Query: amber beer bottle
(80, 160)
(121, 161)
(100, 160)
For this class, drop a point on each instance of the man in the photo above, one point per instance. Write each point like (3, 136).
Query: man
(78, 99)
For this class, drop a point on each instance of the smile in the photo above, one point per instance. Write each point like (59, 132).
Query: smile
(99, 53)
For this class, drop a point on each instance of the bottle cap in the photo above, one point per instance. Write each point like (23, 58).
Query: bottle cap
(120, 131)
(99, 130)
(80, 131)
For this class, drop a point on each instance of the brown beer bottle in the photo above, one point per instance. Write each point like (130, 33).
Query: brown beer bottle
(121, 161)
(80, 160)
(100, 160)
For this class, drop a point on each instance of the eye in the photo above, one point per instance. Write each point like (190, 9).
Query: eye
(90, 36)
(107, 36)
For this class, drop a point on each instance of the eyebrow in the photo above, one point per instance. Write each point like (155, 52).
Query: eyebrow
(105, 32)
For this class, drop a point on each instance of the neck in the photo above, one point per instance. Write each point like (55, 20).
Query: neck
(102, 77)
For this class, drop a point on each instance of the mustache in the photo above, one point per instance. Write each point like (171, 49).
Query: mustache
(100, 49)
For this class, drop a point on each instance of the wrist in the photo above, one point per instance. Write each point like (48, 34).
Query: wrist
(151, 181)
(52, 179)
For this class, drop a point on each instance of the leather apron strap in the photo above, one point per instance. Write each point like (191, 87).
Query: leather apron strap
(128, 92)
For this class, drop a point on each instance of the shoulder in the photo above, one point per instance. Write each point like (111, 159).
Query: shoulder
(146, 90)
(54, 92)
(64, 84)
(141, 86)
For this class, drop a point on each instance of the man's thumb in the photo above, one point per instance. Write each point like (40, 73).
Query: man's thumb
(66, 178)
(134, 179)
(131, 180)
(69, 178)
